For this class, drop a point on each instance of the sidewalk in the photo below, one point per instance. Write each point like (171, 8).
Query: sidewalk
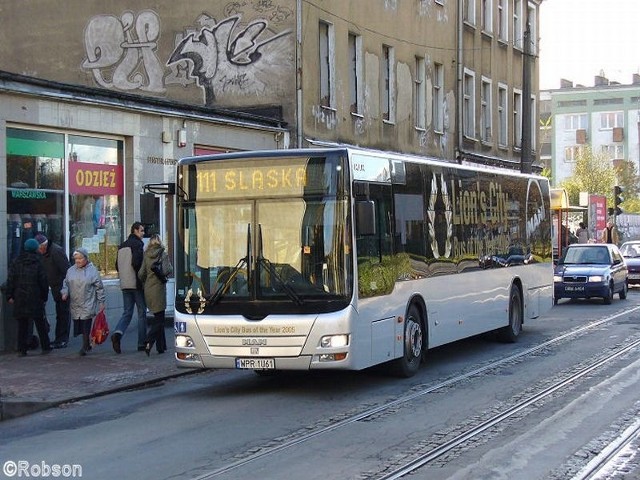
(37, 382)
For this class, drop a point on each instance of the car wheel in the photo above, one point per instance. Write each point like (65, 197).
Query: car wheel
(623, 292)
(555, 300)
(407, 365)
(607, 300)
(509, 334)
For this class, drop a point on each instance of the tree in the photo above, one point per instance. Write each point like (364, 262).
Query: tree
(593, 173)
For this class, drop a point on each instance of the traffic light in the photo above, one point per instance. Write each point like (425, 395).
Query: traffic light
(617, 199)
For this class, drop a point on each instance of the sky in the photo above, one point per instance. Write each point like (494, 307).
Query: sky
(581, 38)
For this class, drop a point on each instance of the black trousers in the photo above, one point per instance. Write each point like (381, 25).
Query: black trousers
(24, 332)
(155, 334)
(63, 321)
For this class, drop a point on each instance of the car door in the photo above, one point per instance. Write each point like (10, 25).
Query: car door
(618, 270)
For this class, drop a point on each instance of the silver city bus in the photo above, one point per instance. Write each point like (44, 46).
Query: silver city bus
(344, 258)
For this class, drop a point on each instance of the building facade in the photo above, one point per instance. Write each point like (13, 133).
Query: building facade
(605, 117)
(100, 100)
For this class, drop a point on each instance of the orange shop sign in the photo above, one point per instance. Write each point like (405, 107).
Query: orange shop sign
(95, 179)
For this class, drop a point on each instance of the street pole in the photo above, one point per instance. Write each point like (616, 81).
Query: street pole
(525, 160)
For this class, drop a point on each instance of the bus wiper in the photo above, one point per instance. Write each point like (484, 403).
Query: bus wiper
(244, 261)
(264, 262)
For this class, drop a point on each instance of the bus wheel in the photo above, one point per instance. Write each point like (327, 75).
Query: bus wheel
(509, 334)
(407, 365)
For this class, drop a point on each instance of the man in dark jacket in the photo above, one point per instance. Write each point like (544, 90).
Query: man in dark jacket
(56, 264)
(128, 262)
(27, 290)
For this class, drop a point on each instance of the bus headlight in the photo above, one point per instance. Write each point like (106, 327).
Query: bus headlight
(331, 341)
(184, 341)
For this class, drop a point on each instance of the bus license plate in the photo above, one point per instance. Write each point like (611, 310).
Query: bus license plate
(256, 363)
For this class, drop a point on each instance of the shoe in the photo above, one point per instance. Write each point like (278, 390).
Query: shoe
(59, 345)
(147, 349)
(82, 352)
(160, 351)
(22, 354)
(115, 341)
(46, 351)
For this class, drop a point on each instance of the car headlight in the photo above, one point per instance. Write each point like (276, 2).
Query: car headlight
(596, 278)
(557, 278)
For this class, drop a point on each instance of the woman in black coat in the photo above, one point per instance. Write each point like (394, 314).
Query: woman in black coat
(28, 290)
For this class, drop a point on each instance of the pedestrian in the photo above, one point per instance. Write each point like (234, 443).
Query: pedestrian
(582, 233)
(155, 292)
(128, 263)
(83, 287)
(56, 264)
(610, 233)
(27, 289)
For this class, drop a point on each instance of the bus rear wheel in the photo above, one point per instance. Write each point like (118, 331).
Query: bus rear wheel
(510, 333)
(407, 365)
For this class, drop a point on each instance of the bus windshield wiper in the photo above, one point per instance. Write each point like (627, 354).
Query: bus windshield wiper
(244, 261)
(264, 262)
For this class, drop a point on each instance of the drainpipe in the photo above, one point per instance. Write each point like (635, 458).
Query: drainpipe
(525, 159)
(299, 119)
(459, 87)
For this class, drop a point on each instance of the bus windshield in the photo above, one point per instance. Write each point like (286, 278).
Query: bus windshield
(264, 235)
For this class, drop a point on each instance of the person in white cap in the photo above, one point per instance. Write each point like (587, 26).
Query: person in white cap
(85, 291)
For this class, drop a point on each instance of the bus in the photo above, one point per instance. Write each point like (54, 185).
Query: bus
(346, 258)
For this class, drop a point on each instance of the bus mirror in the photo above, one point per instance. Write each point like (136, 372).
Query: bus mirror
(365, 218)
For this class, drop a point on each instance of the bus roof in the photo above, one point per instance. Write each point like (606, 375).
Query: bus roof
(350, 150)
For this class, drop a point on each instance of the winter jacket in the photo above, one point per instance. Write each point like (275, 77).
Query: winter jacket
(155, 291)
(56, 264)
(84, 288)
(128, 262)
(27, 285)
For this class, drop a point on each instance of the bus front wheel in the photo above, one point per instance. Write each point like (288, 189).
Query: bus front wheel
(407, 365)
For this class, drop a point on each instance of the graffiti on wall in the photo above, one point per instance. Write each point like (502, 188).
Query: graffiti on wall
(125, 47)
(227, 56)
(219, 57)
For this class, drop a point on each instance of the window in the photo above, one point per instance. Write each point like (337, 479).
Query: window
(613, 152)
(502, 115)
(485, 114)
(487, 15)
(438, 98)
(327, 73)
(517, 23)
(571, 153)
(38, 164)
(468, 104)
(420, 94)
(355, 73)
(503, 22)
(517, 118)
(470, 11)
(609, 120)
(388, 83)
(576, 121)
(531, 18)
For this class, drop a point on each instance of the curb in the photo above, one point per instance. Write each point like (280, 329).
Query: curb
(10, 408)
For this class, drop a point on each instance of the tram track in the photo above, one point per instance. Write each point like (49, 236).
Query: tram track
(308, 434)
(610, 458)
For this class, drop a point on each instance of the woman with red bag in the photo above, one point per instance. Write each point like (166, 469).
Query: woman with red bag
(83, 287)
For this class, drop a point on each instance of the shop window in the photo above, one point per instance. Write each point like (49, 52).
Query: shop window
(35, 187)
(96, 190)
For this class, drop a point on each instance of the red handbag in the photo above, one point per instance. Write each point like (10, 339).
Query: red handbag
(100, 329)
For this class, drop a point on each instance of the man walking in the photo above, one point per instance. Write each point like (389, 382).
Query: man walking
(56, 264)
(128, 262)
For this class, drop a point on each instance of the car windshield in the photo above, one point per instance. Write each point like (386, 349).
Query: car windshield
(630, 250)
(587, 256)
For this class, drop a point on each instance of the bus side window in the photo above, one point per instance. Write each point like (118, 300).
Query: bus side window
(365, 218)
